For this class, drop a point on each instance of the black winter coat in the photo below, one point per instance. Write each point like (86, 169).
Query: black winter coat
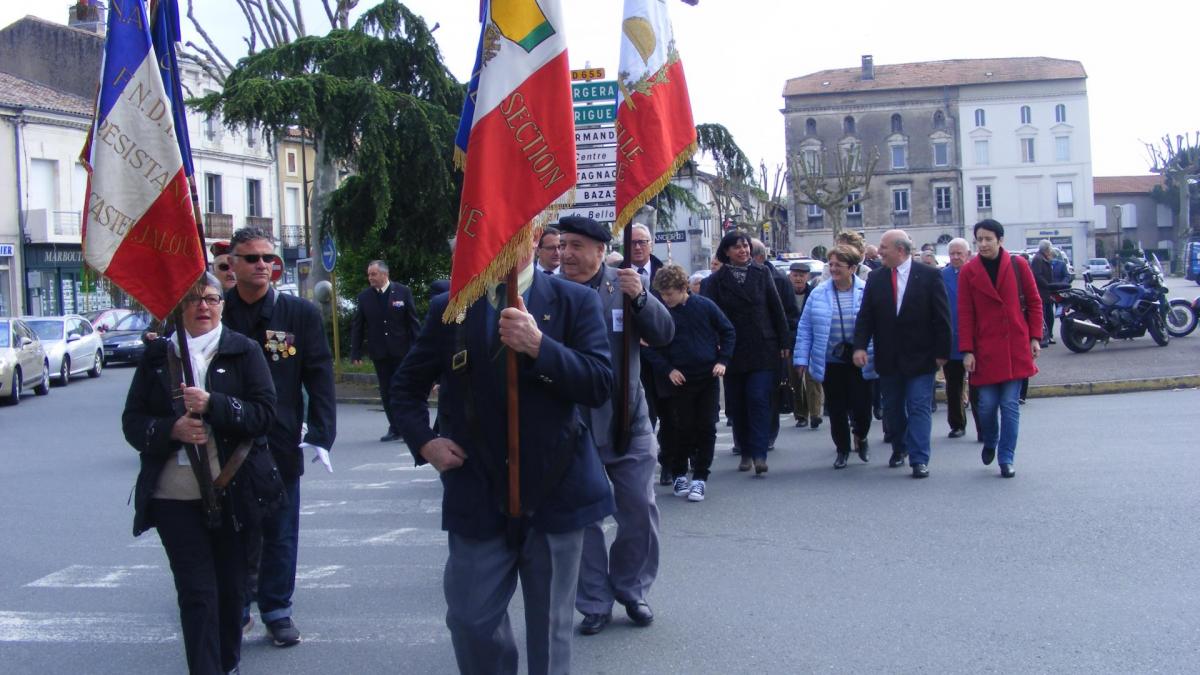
(756, 312)
(241, 407)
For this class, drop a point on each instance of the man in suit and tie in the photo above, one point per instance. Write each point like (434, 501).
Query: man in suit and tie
(387, 319)
(906, 313)
(647, 265)
(625, 572)
(547, 257)
(557, 331)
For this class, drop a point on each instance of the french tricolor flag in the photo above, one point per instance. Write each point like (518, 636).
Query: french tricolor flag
(518, 137)
(139, 228)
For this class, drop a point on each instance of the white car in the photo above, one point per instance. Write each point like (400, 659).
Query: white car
(23, 363)
(1099, 268)
(72, 346)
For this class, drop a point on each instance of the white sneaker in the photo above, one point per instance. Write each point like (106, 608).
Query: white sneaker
(696, 493)
(681, 486)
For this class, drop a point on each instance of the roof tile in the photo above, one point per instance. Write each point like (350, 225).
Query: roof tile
(957, 72)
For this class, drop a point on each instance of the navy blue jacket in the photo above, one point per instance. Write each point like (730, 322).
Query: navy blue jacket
(703, 338)
(388, 324)
(572, 369)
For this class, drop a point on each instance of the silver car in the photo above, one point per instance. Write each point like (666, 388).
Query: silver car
(23, 363)
(73, 346)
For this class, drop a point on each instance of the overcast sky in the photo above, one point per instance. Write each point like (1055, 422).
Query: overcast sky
(739, 53)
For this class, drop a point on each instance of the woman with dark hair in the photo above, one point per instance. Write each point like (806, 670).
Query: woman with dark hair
(825, 350)
(223, 422)
(999, 334)
(745, 292)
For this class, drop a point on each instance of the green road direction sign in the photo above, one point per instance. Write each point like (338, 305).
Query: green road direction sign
(586, 92)
(595, 114)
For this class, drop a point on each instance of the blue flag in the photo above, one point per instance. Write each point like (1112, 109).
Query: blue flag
(165, 33)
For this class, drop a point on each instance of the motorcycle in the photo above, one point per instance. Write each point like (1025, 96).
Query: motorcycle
(1182, 316)
(1124, 308)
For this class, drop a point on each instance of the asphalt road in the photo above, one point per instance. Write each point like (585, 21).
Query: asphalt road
(1085, 562)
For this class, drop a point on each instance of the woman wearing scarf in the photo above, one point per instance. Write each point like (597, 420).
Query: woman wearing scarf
(226, 418)
(745, 292)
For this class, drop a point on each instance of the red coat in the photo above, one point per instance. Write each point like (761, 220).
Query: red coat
(990, 323)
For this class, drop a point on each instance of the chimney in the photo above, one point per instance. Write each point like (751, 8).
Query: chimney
(87, 15)
(868, 67)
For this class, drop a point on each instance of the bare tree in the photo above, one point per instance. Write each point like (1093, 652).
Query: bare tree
(834, 186)
(772, 209)
(1178, 161)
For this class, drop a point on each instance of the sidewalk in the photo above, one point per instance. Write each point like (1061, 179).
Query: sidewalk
(1121, 366)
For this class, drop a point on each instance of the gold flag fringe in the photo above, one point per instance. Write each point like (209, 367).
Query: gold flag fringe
(653, 189)
(512, 251)
(460, 158)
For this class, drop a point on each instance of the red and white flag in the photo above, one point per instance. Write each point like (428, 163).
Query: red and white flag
(139, 229)
(655, 131)
(518, 135)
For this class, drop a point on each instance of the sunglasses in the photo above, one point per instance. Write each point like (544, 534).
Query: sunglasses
(253, 258)
(224, 267)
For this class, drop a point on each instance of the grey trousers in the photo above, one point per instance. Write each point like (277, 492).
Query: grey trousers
(625, 571)
(481, 577)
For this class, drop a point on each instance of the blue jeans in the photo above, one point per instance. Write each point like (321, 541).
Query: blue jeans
(906, 407)
(277, 569)
(748, 405)
(1000, 417)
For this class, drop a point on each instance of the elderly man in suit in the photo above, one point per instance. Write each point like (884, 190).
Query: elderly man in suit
(557, 331)
(625, 572)
(906, 313)
(386, 318)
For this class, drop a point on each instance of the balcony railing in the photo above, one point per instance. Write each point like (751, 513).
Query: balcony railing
(900, 219)
(262, 223)
(291, 236)
(218, 225)
(943, 217)
(67, 223)
(53, 227)
(854, 220)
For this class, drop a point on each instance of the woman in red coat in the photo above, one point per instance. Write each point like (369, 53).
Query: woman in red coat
(999, 335)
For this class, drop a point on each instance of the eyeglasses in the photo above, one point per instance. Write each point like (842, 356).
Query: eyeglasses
(224, 267)
(195, 300)
(640, 242)
(253, 258)
(552, 248)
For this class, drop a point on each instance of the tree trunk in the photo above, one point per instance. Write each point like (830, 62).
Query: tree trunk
(324, 183)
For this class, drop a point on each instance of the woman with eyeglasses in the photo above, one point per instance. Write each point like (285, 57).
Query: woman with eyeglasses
(223, 419)
(745, 292)
(824, 350)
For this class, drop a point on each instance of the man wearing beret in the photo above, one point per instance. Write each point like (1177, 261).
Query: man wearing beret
(624, 572)
(807, 395)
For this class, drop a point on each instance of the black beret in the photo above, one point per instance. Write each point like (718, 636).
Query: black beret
(586, 227)
(799, 267)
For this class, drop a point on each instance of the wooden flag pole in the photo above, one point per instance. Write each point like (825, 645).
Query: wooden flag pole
(623, 433)
(514, 431)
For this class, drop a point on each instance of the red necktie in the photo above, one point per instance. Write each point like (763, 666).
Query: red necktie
(896, 287)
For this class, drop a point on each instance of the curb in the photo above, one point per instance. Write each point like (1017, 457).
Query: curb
(1035, 390)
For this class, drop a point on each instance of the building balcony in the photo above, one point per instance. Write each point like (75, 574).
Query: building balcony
(901, 219)
(854, 220)
(943, 217)
(218, 225)
(53, 227)
(264, 224)
(291, 236)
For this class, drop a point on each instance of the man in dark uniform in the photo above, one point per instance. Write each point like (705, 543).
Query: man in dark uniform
(292, 336)
(387, 319)
(563, 363)
(624, 572)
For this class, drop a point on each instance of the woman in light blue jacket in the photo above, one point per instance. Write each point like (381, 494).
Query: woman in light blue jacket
(824, 349)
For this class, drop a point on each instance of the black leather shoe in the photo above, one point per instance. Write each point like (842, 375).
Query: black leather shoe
(957, 433)
(863, 448)
(840, 462)
(1007, 471)
(988, 455)
(745, 464)
(920, 471)
(814, 422)
(594, 623)
(639, 613)
(389, 437)
(897, 459)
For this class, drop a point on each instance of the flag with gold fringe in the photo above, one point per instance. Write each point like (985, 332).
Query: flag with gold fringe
(516, 143)
(655, 131)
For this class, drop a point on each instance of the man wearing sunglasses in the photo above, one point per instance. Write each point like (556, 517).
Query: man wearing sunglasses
(292, 335)
(386, 319)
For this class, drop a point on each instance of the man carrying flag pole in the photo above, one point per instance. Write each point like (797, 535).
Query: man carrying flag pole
(518, 487)
(655, 136)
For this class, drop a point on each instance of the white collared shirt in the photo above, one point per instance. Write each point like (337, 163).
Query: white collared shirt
(902, 282)
(542, 270)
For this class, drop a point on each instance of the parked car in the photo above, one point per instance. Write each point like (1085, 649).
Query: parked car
(23, 363)
(123, 343)
(1099, 268)
(104, 319)
(72, 346)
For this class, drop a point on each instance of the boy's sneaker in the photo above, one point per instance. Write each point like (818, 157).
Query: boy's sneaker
(283, 632)
(696, 492)
(681, 486)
